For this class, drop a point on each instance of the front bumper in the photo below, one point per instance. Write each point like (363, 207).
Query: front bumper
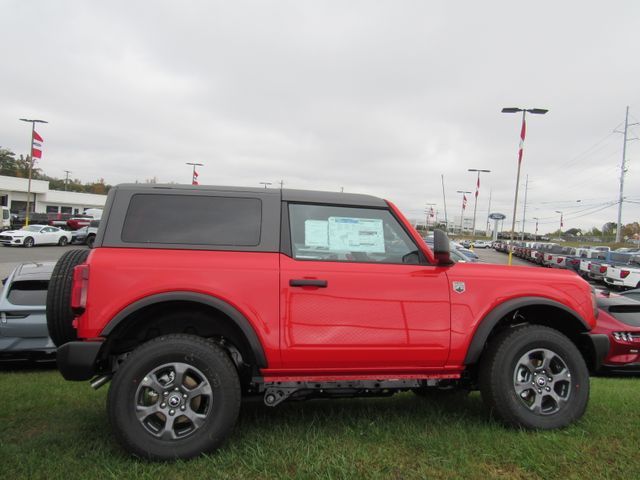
(77, 360)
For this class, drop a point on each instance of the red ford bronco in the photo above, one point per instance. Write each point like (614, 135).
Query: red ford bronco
(293, 294)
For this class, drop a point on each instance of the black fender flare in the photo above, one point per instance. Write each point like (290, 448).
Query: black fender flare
(238, 318)
(491, 319)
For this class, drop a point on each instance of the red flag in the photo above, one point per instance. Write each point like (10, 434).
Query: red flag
(522, 135)
(464, 202)
(195, 178)
(478, 187)
(36, 146)
(561, 223)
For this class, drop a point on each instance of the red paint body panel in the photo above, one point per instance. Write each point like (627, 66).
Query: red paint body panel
(248, 281)
(622, 353)
(369, 315)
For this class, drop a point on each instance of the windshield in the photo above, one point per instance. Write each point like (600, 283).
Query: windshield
(32, 228)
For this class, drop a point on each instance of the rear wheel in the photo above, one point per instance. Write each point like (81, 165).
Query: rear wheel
(63, 241)
(59, 313)
(177, 396)
(534, 377)
(91, 240)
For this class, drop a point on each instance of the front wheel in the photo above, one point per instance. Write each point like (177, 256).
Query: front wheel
(28, 242)
(534, 377)
(177, 396)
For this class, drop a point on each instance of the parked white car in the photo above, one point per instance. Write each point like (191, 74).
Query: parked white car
(624, 276)
(35, 235)
(481, 244)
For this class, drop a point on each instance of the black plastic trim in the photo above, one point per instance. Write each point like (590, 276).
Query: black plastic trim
(76, 360)
(238, 318)
(601, 345)
(487, 324)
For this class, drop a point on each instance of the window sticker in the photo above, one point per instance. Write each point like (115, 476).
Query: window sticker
(316, 233)
(356, 234)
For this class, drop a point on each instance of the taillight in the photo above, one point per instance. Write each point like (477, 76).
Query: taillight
(559, 260)
(79, 288)
(575, 261)
(603, 269)
(624, 273)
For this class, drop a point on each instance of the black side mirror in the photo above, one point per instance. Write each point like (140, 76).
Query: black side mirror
(441, 248)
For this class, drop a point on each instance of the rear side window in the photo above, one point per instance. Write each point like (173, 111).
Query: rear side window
(28, 292)
(193, 220)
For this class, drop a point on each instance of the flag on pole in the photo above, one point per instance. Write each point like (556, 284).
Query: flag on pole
(522, 135)
(464, 202)
(36, 146)
(561, 223)
(195, 178)
(478, 187)
(431, 214)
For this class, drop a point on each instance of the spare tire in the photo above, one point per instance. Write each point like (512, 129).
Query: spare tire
(59, 313)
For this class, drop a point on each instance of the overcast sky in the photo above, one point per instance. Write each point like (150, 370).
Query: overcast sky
(373, 96)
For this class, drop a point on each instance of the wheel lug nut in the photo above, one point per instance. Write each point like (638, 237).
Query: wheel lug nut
(550, 379)
(539, 390)
(163, 405)
(165, 393)
(548, 389)
(184, 395)
(176, 389)
(183, 408)
(171, 412)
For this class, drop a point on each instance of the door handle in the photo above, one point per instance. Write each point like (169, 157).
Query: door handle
(308, 282)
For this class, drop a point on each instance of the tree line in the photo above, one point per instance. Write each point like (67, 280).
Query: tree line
(12, 166)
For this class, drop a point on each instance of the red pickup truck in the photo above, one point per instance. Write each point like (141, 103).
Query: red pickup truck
(293, 294)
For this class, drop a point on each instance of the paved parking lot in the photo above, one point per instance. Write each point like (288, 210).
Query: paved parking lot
(12, 256)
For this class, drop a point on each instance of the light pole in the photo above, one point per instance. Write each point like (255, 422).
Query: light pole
(558, 211)
(33, 129)
(464, 204)
(194, 175)
(265, 184)
(66, 179)
(475, 205)
(535, 235)
(536, 111)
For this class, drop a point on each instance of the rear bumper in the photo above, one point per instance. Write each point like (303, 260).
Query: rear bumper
(77, 360)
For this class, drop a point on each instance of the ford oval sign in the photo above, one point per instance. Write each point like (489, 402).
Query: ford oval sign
(497, 216)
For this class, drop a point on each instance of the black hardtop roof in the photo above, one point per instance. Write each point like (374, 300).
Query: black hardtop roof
(287, 195)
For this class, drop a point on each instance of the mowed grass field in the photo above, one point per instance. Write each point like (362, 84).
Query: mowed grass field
(50, 428)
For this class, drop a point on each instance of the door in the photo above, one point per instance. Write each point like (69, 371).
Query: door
(356, 294)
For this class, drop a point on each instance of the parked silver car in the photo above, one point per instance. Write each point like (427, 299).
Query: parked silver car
(23, 322)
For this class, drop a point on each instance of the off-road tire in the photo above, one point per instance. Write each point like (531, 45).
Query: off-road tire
(201, 355)
(59, 313)
(499, 367)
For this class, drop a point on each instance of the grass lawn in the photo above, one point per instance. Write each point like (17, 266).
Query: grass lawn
(50, 428)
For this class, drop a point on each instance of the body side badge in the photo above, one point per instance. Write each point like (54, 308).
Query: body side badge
(458, 287)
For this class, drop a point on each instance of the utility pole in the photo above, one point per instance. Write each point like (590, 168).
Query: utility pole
(524, 209)
(623, 171)
(444, 199)
(66, 179)
(281, 184)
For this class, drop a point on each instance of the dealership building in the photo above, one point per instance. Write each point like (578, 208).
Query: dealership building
(13, 194)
